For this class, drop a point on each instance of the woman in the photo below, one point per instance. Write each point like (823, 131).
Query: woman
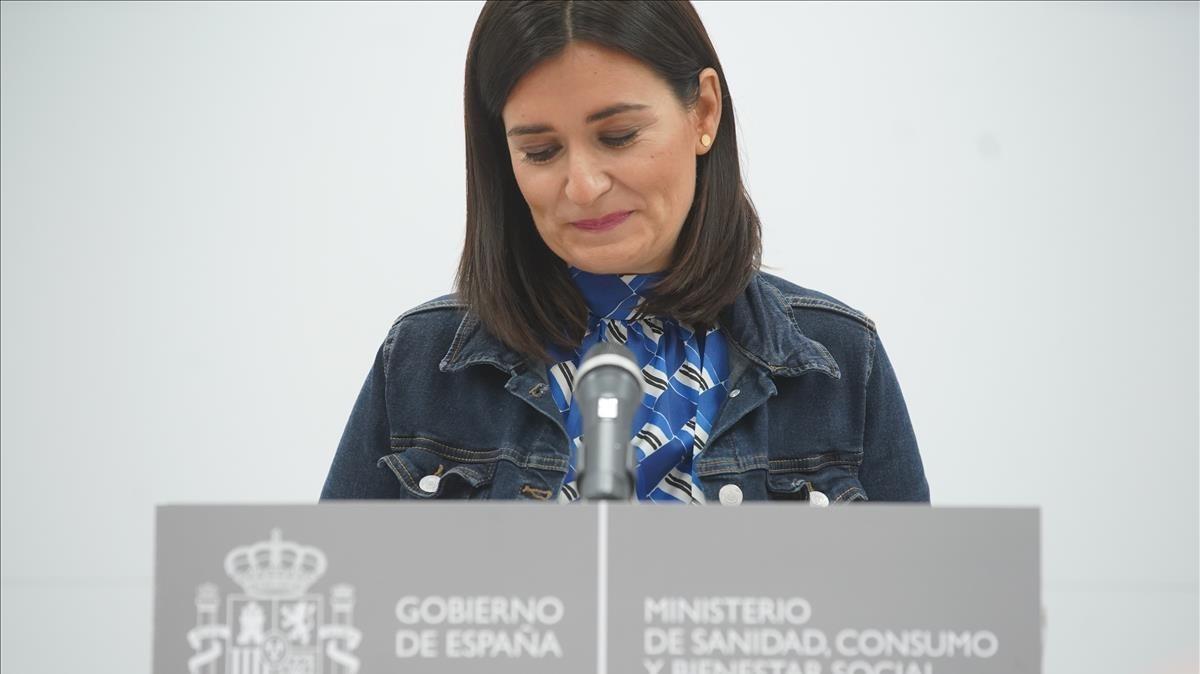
(605, 202)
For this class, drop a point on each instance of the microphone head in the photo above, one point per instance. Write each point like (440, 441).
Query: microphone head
(608, 388)
(609, 354)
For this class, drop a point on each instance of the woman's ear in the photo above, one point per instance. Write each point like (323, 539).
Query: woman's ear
(707, 112)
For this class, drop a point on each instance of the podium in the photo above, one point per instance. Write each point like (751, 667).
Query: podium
(499, 587)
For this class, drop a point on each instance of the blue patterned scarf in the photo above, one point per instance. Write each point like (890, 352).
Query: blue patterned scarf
(684, 376)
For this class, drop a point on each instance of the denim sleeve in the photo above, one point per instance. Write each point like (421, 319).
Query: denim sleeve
(355, 472)
(891, 468)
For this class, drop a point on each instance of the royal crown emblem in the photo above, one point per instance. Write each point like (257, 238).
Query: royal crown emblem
(275, 625)
(275, 568)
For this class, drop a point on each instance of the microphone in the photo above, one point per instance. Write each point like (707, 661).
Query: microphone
(609, 390)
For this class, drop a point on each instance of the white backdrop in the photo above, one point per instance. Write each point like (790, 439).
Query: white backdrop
(211, 213)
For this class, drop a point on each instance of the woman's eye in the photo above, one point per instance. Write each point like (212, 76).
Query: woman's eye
(539, 157)
(620, 140)
(546, 155)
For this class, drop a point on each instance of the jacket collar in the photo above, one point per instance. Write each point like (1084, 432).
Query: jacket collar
(759, 324)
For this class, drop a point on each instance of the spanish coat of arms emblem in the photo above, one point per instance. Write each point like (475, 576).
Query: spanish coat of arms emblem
(274, 625)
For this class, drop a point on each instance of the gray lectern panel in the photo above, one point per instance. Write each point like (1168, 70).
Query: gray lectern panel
(763, 589)
(375, 587)
(344, 588)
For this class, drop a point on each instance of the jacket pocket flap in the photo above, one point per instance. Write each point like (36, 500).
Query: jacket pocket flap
(428, 475)
(833, 474)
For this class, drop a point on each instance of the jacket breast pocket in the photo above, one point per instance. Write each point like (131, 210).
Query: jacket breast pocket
(828, 477)
(429, 469)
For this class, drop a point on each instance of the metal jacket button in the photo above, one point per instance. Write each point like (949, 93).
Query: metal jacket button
(818, 499)
(429, 483)
(730, 494)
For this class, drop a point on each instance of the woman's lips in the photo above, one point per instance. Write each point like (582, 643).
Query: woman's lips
(607, 222)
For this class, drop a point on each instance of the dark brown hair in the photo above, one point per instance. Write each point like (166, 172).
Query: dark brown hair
(519, 288)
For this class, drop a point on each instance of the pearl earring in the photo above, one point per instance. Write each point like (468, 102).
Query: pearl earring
(705, 140)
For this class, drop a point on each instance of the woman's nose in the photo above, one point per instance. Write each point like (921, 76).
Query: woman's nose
(587, 178)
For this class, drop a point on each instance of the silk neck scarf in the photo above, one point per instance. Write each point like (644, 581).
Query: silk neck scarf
(684, 382)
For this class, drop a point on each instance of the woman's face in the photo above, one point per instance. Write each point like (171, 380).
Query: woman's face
(593, 132)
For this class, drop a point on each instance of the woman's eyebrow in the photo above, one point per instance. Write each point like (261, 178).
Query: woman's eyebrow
(594, 117)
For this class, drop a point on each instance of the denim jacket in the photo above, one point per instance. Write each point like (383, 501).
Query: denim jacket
(814, 410)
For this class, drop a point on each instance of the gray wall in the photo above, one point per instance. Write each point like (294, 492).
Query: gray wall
(212, 212)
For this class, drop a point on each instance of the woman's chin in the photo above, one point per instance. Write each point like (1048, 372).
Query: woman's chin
(592, 266)
(612, 259)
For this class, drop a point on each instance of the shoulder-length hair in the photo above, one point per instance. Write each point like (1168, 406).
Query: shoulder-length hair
(518, 287)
